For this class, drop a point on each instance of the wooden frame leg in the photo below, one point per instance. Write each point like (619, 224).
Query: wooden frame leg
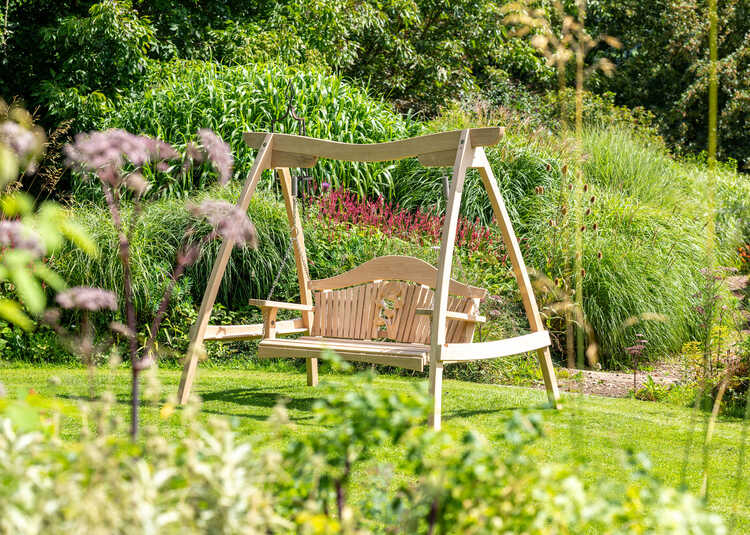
(548, 373)
(311, 364)
(300, 259)
(520, 272)
(198, 331)
(464, 156)
(436, 391)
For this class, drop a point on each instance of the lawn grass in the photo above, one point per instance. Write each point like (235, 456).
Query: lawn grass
(594, 430)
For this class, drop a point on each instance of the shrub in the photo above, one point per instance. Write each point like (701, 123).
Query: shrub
(667, 53)
(181, 97)
(210, 479)
(95, 56)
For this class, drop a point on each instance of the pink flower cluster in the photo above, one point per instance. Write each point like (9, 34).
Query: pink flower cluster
(341, 206)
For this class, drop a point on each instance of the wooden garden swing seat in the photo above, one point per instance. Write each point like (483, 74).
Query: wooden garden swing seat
(379, 312)
(392, 310)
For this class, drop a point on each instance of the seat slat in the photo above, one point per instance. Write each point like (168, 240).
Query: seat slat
(407, 312)
(409, 356)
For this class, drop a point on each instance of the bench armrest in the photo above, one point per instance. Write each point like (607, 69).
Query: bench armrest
(462, 316)
(263, 303)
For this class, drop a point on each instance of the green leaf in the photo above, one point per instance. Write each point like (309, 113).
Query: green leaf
(28, 289)
(77, 234)
(50, 277)
(11, 311)
(17, 204)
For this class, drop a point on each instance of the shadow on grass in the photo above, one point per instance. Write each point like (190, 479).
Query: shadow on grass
(258, 398)
(467, 413)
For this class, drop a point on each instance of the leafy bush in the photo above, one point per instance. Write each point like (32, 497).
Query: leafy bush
(420, 54)
(181, 97)
(96, 56)
(210, 479)
(667, 53)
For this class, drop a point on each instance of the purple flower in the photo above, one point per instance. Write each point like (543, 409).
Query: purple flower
(218, 151)
(137, 183)
(86, 298)
(229, 221)
(15, 235)
(325, 186)
(106, 152)
(23, 142)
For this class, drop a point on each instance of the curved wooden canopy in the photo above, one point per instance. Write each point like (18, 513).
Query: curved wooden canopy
(394, 267)
(301, 151)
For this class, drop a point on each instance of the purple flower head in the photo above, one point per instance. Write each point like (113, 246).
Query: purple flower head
(87, 298)
(15, 235)
(229, 221)
(20, 140)
(106, 152)
(136, 183)
(218, 152)
(325, 186)
(193, 152)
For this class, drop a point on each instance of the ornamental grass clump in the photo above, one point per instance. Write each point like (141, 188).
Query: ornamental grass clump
(180, 97)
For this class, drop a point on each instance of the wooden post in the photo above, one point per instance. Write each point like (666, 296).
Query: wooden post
(269, 322)
(464, 156)
(198, 331)
(519, 269)
(300, 258)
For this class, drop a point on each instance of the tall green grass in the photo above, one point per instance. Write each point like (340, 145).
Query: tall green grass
(183, 96)
(155, 240)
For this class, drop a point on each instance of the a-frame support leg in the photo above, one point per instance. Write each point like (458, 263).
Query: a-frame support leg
(300, 258)
(198, 331)
(519, 269)
(464, 156)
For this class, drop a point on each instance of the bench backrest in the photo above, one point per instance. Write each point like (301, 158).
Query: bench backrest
(378, 300)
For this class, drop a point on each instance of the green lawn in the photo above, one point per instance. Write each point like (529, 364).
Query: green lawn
(598, 429)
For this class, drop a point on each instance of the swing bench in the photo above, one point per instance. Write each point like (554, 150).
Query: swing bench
(392, 310)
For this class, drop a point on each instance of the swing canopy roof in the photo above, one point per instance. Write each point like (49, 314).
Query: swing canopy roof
(431, 150)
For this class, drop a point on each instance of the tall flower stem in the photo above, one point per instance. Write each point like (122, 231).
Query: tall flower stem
(113, 201)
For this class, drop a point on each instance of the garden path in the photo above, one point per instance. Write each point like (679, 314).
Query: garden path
(621, 384)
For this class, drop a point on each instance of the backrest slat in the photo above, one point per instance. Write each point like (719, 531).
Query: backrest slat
(315, 330)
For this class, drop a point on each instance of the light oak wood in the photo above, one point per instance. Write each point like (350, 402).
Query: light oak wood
(521, 274)
(264, 303)
(228, 333)
(291, 159)
(464, 155)
(387, 309)
(395, 268)
(496, 348)
(269, 322)
(448, 157)
(374, 152)
(197, 332)
(451, 315)
(300, 259)
(409, 356)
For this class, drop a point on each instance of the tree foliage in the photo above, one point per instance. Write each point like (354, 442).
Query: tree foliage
(663, 66)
